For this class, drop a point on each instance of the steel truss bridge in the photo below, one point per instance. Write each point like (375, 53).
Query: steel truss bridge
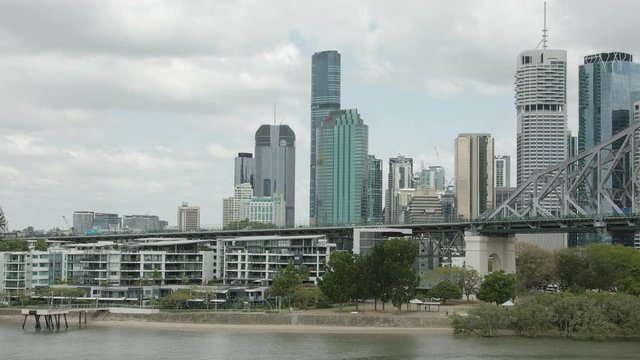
(594, 192)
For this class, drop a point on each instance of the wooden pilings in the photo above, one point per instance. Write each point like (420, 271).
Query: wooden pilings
(51, 318)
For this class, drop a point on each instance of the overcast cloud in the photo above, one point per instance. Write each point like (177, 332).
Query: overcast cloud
(135, 106)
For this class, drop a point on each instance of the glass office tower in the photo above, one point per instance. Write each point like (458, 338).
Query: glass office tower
(343, 144)
(325, 98)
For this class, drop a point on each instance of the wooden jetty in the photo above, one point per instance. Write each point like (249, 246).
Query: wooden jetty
(51, 318)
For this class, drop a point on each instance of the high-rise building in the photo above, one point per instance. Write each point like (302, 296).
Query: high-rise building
(425, 206)
(341, 172)
(474, 174)
(144, 223)
(502, 170)
(325, 98)
(609, 86)
(374, 190)
(82, 221)
(188, 217)
(276, 166)
(432, 178)
(541, 97)
(400, 177)
(245, 169)
(232, 207)
(107, 222)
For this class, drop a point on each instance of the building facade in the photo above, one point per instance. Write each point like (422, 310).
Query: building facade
(540, 99)
(82, 221)
(432, 178)
(325, 98)
(142, 223)
(106, 222)
(609, 85)
(400, 177)
(244, 169)
(232, 207)
(257, 259)
(374, 190)
(276, 165)
(341, 169)
(474, 174)
(502, 170)
(188, 217)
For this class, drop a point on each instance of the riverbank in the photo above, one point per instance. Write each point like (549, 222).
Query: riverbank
(296, 321)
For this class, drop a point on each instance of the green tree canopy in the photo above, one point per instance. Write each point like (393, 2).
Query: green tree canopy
(469, 281)
(446, 290)
(248, 225)
(286, 280)
(178, 298)
(497, 287)
(391, 268)
(41, 245)
(337, 283)
(535, 267)
(13, 245)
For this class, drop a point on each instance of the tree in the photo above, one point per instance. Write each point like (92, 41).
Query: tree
(485, 320)
(469, 280)
(184, 280)
(41, 245)
(445, 290)
(570, 263)
(306, 293)
(497, 287)
(286, 280)
(13, 245)
(178, 298)
(535, 267)
(400, 278)
(361, 278)
(440, 274)
(337, 283)
(248, 225)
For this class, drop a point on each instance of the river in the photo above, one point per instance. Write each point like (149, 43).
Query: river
(100, 342)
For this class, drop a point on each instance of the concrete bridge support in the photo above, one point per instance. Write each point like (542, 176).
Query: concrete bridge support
(490, 253)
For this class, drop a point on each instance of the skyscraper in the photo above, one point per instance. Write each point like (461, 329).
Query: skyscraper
(374, 190)
(609, 85)
(541, 97)
(400, 177)
(432, 178)
(188, 217)
(474, 174)
(245, 169)
(325, 98)
(341, 177)
(502, 170)
(82, 221)
(276, 165)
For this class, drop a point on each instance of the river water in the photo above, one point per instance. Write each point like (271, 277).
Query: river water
(101, 342)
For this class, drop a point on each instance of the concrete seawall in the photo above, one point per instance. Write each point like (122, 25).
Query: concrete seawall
(295, 318)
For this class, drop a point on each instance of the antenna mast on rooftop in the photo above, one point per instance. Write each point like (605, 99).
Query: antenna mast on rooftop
(544, 29)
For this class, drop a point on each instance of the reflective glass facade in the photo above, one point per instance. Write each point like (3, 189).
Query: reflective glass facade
(325, 98)
(341, 177)
(609, 85)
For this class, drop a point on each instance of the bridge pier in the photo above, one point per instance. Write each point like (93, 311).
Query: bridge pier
(490, 253)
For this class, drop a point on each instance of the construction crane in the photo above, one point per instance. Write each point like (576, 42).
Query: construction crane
(3, 222)
(66, 222)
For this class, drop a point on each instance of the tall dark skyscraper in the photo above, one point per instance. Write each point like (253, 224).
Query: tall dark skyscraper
(276, 166)
(245, 169)
(325, 98)
(374, 190)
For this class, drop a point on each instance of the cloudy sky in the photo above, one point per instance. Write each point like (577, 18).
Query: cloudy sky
(135, 106)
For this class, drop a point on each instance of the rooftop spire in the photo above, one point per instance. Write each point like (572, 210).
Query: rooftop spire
(544, 29)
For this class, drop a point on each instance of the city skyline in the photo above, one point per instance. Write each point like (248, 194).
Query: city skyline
(136, 118)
